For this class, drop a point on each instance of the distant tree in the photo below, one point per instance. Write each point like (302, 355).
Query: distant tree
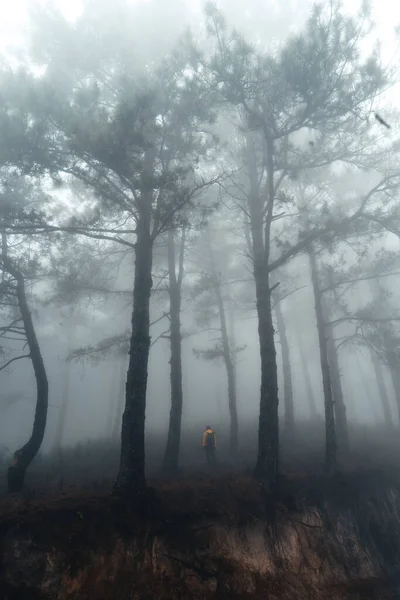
(281, 290)
(330, 425)
(65, 394)
(383, 394)
(332, 279)
(302, 350)
(214, 300)
(340, 280)
(377, 328)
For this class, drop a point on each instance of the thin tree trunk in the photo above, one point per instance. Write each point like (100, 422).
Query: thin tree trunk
(378, 370)
(383, 395)
(342, 431)
(307, 378)
(119, 408)
(330, 431)
(367, 389)
(287, 371)
(24, 456)
(62, 417)
(234, 433)
(395, 376)
(267, 466)
(227, 353)
(112, 400)
(171, 456)
(131, 474)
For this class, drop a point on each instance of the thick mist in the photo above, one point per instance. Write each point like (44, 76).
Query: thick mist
(202, 217)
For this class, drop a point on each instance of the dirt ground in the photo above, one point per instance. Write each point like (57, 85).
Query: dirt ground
(77, 527)
(207, 533)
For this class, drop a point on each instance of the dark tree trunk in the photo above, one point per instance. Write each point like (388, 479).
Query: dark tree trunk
(330, 431)
(227, 355)
(24, 456)
(119, 409)
(131, 475)
(171, 456)
(342, 431)
(307, 379)
(380, 380)
(287, 372)
(267, 466)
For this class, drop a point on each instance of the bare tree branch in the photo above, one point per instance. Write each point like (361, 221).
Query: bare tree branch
(13, 360)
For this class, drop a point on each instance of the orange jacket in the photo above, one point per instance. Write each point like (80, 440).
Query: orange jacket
(207, 431)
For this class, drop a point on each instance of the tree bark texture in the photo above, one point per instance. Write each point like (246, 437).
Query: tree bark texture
(131, 478)
(131, 474)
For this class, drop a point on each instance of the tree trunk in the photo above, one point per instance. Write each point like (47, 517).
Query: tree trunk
(307, 379)
(330, 431)
(395, 376)
(62, 417)
(171, 456)
(342, 431)
(232, 390)
(378, 370)
(112, 400)
(64, 406)
(24, 456)
(131, 474)
(227, 354)
(367, 390)
(120, 399)
(267, 466)
(287, 372)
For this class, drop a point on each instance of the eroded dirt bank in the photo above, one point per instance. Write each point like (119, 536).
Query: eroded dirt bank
(200, 538)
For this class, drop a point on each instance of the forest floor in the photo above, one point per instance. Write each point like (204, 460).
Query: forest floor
(73, 521)
(80, 519)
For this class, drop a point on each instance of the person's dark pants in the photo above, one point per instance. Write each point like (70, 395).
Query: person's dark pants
(210, 455)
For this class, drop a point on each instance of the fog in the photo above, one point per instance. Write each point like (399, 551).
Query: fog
(97, 96)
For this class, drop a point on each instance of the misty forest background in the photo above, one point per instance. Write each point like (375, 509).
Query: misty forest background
(199, 226)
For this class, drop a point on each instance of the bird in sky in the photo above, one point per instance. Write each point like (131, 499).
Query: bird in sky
(381, 121)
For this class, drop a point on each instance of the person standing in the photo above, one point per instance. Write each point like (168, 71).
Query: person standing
(210, 445)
